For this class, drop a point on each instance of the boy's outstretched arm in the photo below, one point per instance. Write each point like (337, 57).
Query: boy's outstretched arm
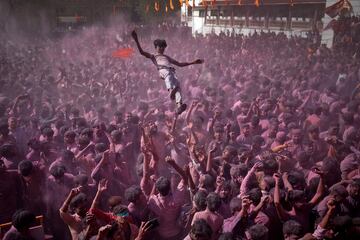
(184, 64)
(142, 52)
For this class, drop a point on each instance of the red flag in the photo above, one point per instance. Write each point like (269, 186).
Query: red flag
(123, 53)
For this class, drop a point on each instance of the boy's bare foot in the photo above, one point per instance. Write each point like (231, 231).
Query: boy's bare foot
(173, 92)
(181, 108)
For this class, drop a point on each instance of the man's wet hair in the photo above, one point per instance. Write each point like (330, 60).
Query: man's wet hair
(201, 228)
(258, 232)
(23, 219)
(163, 186)
(132, 193)
(160, 43)
(213, 202)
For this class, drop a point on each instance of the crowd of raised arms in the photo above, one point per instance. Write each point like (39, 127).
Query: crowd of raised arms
(268, 148)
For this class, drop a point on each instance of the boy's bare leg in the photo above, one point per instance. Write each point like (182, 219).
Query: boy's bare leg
(173, 92)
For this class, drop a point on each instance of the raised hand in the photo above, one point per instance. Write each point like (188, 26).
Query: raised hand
(102, 185)
(331, 205)
(318, 171)
(74, 192)
(277, 177)
(213, 149)
(256, 166)
(245, 203)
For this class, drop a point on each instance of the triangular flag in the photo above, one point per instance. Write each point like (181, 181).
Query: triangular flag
(123, 53)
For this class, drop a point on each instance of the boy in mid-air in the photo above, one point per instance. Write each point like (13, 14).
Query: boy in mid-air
(166, 72)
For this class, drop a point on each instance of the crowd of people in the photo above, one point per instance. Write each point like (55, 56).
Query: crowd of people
(268, 148)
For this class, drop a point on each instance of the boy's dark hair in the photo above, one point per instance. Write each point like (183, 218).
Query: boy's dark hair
(226, 236)
(23, 219)
(87, 132)
(132, 193)
(254, 195)
(84, 140)
(213, 202)
(270, 166)
(160, 43)
(77, 200)
(25, 168)
(70, 134)
(8, 150)
(258, 232)
(209, 181)
(116, 134)
(57, 171)
(292, 227)
(48, 132)
(200, 228)
(100, 147)
(200, 199)
(163, 186)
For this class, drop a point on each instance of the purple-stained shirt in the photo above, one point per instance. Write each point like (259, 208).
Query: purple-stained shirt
(168, 210)
(214, 220)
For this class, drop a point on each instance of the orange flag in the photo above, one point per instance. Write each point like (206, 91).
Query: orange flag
(257, 3)
(187, 3)
(123, 53)
(166, 8)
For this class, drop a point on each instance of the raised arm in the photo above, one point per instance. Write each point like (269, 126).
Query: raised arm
(320, 189)
(65, 216)
(279, 209)
(101, 188)
(177, 168)
(184, 64)
(142, 52)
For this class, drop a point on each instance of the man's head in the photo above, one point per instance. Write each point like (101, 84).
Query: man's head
(160, 45)
(57, 171)
(200, 200)
(292, 230)
(313, 132)
(339, 193)
(163, 186)
(134, 195)
(69, 137)
(238, 173)
(12, 121)
(229, 153)
(79, 204)
(213, 202)
(116, 136)
(200, 230)
(296, 135)
(25, 169)
(257, 232)
(22, 220)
